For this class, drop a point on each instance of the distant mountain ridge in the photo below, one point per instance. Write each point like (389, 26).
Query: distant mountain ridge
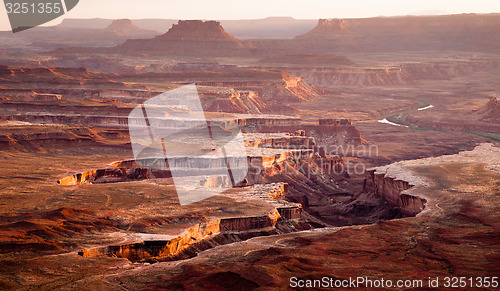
(463, 32)
(270, 27)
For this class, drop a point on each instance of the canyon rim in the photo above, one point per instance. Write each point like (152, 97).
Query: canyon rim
(268, 154)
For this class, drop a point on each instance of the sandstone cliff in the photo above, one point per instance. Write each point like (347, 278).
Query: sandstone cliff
(208, 235)
(392, 188)
(472, 32)
(402, 74)
(400, 186)
(37, 138)
(215, 99)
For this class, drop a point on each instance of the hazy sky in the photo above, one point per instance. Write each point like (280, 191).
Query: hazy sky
(254, 9)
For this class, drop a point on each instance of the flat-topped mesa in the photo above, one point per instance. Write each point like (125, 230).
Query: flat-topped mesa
(197, 30)
(334, 24)
(124, 27)
(404, 33)
(333, 76)
(220, 99)
(392, 187)
(327, 132)
(120, 25)
(188, 37)
(222, 231)
(267, 155)
(274, 86)
(326, 29)
(400, 184)
(261, 160)
(279, 140)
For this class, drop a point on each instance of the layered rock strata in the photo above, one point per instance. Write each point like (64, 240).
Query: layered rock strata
(400, 186)
(217, 232)
(266, 155)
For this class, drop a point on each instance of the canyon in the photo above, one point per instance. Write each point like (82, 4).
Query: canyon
(330, 190)
(225, 230)
(418, 243)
